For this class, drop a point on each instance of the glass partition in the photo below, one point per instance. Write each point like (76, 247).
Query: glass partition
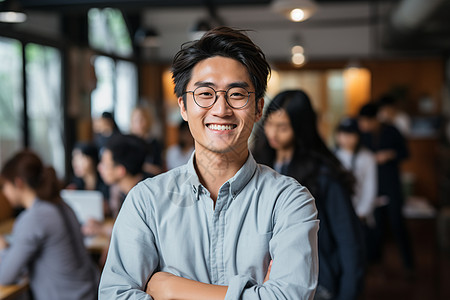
(45, 105)
(11, 98)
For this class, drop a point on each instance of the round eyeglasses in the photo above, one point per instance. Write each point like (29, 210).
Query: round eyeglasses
(205, 96)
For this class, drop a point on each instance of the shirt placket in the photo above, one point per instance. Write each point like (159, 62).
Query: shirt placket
(218, 269)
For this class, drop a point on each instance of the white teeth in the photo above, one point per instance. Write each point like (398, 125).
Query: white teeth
(220, 127)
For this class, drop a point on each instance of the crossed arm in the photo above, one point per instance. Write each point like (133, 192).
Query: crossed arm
(166, 286)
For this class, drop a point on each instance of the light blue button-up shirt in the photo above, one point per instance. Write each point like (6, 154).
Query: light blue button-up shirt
(169, 223)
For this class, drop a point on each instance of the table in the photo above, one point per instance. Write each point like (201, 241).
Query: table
(6, 226)
(9, 292)
(94, 244)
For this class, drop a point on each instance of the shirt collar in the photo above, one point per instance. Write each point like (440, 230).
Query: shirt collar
(236, 183)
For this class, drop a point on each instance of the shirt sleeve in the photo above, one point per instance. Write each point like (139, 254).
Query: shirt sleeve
(27, 239)
(293, 249)
(132, 256)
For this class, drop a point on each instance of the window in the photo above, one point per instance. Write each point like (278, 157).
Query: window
(43, 120)
(116, 90)
(127, 93)
(11, 98)
(117, 80)
(108, 32)
(102, 98)
(45, 107)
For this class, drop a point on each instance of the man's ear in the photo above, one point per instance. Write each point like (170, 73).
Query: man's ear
(182, 106)
(259, 109)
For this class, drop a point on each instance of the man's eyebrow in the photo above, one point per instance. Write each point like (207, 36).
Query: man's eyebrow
(242, 84)
(204, 83)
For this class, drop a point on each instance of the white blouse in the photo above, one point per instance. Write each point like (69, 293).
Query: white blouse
(364, 168)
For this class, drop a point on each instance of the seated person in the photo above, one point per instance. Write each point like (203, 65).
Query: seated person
(120, 166)
(104, 128)
(46, 239)
(86, 176)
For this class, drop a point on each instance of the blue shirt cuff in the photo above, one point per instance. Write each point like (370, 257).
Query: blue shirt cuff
(236, 286)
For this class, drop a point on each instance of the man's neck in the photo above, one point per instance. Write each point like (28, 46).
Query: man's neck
(214, 169)
(128, 182)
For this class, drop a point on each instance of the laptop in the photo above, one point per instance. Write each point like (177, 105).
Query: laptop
(86, 204)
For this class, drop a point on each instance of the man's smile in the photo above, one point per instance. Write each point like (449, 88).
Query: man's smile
(221, 127)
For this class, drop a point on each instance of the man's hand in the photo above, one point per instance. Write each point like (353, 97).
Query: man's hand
(268, 272)
(384, 156)
(159, 286)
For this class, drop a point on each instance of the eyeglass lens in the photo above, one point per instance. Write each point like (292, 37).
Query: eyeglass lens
(236, 97)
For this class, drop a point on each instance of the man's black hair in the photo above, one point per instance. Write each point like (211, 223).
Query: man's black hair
(369, 110)
(226, 42)
(129, 151)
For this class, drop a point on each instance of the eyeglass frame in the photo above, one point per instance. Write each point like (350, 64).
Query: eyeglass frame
(217, 97)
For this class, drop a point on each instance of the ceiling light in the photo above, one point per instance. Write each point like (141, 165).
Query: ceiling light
(11, 13)
(297, 49)
(298, 59)
(295, 10)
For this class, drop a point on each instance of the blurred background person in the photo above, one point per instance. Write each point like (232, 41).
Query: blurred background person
(104, 127)
(390, 149)
(361, 162)
(390, 113)
(140, 126)
(46, 239)
(85, 173)
(120, 166)
(291, 145)
(180, 153)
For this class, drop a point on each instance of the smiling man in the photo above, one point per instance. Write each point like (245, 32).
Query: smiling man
(211, 228)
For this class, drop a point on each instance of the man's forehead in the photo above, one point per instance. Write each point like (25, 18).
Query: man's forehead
(218, 68)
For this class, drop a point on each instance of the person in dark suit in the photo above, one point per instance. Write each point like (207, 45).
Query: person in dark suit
(292, 145)
(390, 150)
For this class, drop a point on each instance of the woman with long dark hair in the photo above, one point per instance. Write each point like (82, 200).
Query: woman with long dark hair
(291, 144)
(46, 241)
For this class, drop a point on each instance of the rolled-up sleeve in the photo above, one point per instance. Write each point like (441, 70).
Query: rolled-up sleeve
(293, 249)
(132, 256)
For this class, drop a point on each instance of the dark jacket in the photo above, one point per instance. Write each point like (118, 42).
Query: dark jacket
(340, 237)
(388, 138)
(341, 249)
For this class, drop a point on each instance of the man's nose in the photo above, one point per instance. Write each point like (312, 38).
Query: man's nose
(221, 106)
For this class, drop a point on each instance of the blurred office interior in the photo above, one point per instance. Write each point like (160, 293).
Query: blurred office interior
(65, 62)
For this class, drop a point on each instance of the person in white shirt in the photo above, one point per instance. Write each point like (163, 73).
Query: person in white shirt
(362, 163)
